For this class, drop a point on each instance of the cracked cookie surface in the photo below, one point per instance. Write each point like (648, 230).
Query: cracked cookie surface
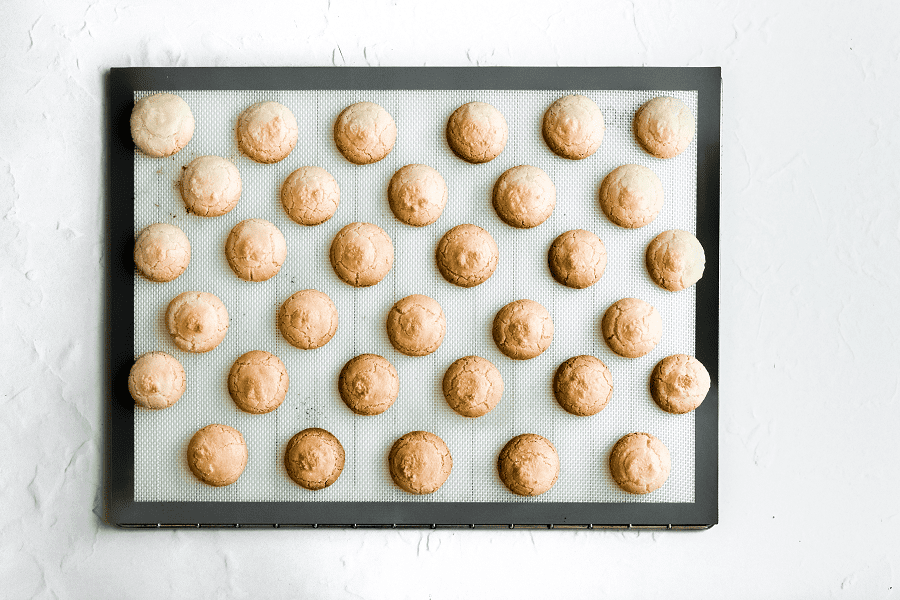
(664, 126)
(417, 195)
(161, 124)
(217, 455)
(679, 383)
(258, 382)
(467, 255)
(267, 132)
(310, 195)
(197, 321)
(210, 186)
(573, 127)
(631, 327)
(528, 465)
(522, 329)
(416, 325)
(524, 196)
(365, 133)
(162, 252)
(640, 463)
(472, 386)
(675, 260)
(361, 254)
(631, 196)
(308, 319)
(420, 462)
(477, 132)
(255, 250)
(156, 380)
(583, 385)
(369, 384)
(314, 458)
(577, 259)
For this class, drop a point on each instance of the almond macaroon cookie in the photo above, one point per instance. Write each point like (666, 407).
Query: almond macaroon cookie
(522, 329)
(528, 465)
(368, 384)
(664, 126)
(679, 383)
(314, 458)
(217, 455)
(258, 382)
(467, 255)
(255, 249)
(308, 319)
(631, 196)
(210, 186)
(631, 327)
(472, 386)
(156, 380)
(417, 195)
(197, 321)
(524, 196)
(416, 325)
(573, 127)
(675, 260)
(310, 195)
(420, 462)
(267, 132)
(477, 132)
(162, 252)
(640, 463)
(161, 124)
(365, 133)
(362, 254)
(577, 259)
(583, 385)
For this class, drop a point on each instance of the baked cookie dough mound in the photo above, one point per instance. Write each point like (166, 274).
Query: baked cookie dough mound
(267, 132)
(631, 196)
(477, 132)
(162, 252)
(467, 255)
(314, 458)
(664, 127)
(679, 383)
(362, 254)
(524, 197)
(369, 384)
(631, 327)
(523, 329)
(416, 325)
(420, 462)
(577, 259)
(583, 385)
(255, 249)
(161, 124)
(310, 195)
(640, 463)
(675, 260)
(365, 133)
(210, 186)
(573, 127)
(217, 455)
(258, 382)
(156, 380)
(472, 386)
(528, 465)
(417, 195)
(308, 319)
(197, 321)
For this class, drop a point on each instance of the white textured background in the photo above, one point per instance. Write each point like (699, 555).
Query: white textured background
(810, 384)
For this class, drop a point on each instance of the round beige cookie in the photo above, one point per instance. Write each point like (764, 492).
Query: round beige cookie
(573, 127)
(156, 380)
(528, 465)
(420, 462)
(310, 195)
(161, 124)
(197, 321)
(258, 382)
(583, 385)
(217, 455)
(362, 254)
(577, 259)
(162, 252)
(640, 463)
(664, 126)
(675, 260)
(631, 196)
(523, 329)
(255, 249)
(314, 458)
(524, 197)
(472, 386)
(477, 132)
(365, 133)
(416, 325)
(679, 383)
(631, 327)
(369, 384)
(308, 319)
(267, 132)
(210, 186)
(417, 195)
(467, 255)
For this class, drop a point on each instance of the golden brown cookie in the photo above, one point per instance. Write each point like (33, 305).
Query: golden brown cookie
(267, 132)
(640, 463)
(675, 260)
(472, 386)
(477, 132)
(528, 465)
(417, 195)
(314, 458)
(523, 329)
(156, 380)
(420, 462)
(524, 197)
(161, 124)
(162, 252)
(369, 384)
(255, 249)
(679, 383)
(583, 385)
(573, 127)
(310, 195)
(577, 259)
(197, 321)
(631, 327)
(631, 196)
(362, 254)
(416, 325)
(365, 133)
(467, 255)
(210, 186)
(664, 126)
(217, 455)
(308, 319)
(258, 382)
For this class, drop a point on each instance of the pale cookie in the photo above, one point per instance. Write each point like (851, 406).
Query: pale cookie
(258, 382)
(162, 252)
(583, 385)
(362, 254)
(156, 380)
(679, 383)
(255, 249)
(631, 327)
(528, 465)
(675, 260)
(161, 124)
(310, 195)
(267, 132)
(197, 321)
(577, 259)
(640, 463)
(664, 126)
(314, 458)
(416, 325)
(420, 462)
(308, 319)
(467, 255)
(472, 386)
(573, 127)
(417, 195)
(365, 133)
(368, 384)
(631, 196)
(523, 329)
(524, 197)
(210, 186)
(477, 132)
(217, 455)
